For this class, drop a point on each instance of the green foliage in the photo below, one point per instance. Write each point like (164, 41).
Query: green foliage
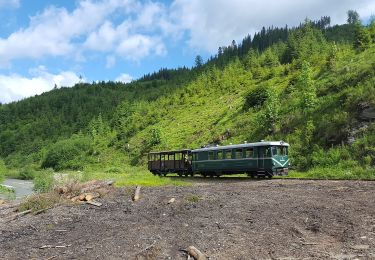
(68, 154)
(371, 29)
(198, 61)
(27, 173)
(362, 38)
(154, 137)
(3, 170)
(307, 89)
(305, 44)
(336, 173)
(270, 116)
(43, 181)
(353, 17)
(256, 97)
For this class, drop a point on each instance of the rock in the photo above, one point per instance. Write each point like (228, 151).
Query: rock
(2, 202)
(368, 114)
(360, 247)
(171, 200)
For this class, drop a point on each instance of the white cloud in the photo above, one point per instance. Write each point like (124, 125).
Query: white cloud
(125, 78)
(214, 23)
(137, 47)
(15, 87)
(9, 3)
(58, 32)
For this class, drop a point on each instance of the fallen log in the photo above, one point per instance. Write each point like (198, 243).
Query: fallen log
(195, 253)
(137, 193)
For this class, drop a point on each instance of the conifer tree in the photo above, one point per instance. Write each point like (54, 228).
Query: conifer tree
(362, 38)
(353, 17)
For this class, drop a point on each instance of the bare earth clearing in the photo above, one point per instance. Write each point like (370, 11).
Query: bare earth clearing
(223, 218)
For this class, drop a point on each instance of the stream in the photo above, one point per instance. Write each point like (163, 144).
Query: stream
(22, 188)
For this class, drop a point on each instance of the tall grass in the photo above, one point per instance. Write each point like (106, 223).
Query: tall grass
(335, 173)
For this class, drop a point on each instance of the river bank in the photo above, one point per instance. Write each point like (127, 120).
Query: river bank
(22, 188)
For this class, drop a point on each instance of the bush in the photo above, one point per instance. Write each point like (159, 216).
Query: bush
(255, 97)
(68, 154)
(39, 202)
(26, 173)
(43, 181)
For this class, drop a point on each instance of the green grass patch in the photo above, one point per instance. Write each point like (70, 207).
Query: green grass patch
(131, 176)
(330, 173)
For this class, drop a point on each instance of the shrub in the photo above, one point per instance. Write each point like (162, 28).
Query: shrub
(256, 97)
(26, 173)
(68, 154)
(43, 181)
(40, 202)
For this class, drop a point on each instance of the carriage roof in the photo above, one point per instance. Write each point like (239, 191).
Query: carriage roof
(233, 146)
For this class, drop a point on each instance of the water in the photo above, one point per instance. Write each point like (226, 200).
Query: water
(22, 188)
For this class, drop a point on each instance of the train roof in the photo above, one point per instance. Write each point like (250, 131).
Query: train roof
(268, 143)
(171, 152)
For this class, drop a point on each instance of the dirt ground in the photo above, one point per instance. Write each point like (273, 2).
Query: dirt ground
(224, 218)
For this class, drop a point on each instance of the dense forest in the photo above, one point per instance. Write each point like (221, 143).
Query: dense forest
(312, 86)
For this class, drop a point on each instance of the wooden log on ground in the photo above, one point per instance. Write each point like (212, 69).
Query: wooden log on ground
(195, 253)
(137, 193)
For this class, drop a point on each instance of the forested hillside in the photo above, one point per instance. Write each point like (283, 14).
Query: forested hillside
(312, 86)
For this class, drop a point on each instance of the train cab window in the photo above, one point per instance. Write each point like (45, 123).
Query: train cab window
(210, 155)
(219, 155)
(228, 154)
(162, 157)
(249, 152)
(280, 150)
(238, 153)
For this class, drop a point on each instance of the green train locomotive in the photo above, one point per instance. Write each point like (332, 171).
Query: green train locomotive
(263, 159)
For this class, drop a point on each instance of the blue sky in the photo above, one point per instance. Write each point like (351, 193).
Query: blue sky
(48, 42)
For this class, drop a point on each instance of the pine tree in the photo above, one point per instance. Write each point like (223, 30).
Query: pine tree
(362, 38)
(198, 61)
(353, 17)
(307, 86)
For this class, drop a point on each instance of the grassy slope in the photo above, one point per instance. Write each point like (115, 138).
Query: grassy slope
(197, 115)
